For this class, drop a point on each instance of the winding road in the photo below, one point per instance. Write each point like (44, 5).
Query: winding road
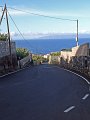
(44, 92)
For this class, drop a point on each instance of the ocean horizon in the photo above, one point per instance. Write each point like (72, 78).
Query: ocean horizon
(46, 46)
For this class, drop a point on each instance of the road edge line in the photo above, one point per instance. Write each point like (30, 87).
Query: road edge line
(75, 74)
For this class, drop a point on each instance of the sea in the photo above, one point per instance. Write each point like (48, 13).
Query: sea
(46, 46)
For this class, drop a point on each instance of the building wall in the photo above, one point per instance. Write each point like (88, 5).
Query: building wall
(83, 50)
(74, 50)
(46, 56)
(54, 59)
(67, 55)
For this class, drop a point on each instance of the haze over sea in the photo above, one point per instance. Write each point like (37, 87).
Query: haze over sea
(45, 46)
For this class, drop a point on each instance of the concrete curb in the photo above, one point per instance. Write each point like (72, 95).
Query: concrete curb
(13, 72)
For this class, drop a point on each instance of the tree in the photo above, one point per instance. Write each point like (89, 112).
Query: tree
(21, 53)
(56, 54)
(68, 50)
(39, 58)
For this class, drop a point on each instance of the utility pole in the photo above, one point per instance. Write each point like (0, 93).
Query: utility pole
(8, 33)
(77, 34)
(5, 11)
(2, 15)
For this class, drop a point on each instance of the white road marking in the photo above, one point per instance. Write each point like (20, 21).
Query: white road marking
(75, 74)
(79, 76)
(85, 97)
(69, 109)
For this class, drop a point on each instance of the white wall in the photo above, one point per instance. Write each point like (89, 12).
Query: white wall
(25, 60)
(67, 55)
(54, 59)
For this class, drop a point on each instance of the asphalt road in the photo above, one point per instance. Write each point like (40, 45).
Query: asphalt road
(44, 93)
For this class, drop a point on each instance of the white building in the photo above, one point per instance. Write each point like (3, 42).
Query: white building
(54, 59)
(82, 50)
(46, 56)
(68, 54)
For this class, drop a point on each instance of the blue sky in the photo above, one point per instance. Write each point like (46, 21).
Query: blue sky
(30, 24)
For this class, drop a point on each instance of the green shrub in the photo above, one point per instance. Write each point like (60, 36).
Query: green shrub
(21, 53)
(3, 37)
(56, 54)
(39, 58)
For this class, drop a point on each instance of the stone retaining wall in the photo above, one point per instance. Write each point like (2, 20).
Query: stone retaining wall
(7, 62)
(4, 48)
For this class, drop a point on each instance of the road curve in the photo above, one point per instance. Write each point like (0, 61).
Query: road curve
(44, 92)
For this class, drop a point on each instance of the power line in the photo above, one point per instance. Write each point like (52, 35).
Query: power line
(58, 18)
(20, 31)
(41, 14)
(36, 15)
(16, 26)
